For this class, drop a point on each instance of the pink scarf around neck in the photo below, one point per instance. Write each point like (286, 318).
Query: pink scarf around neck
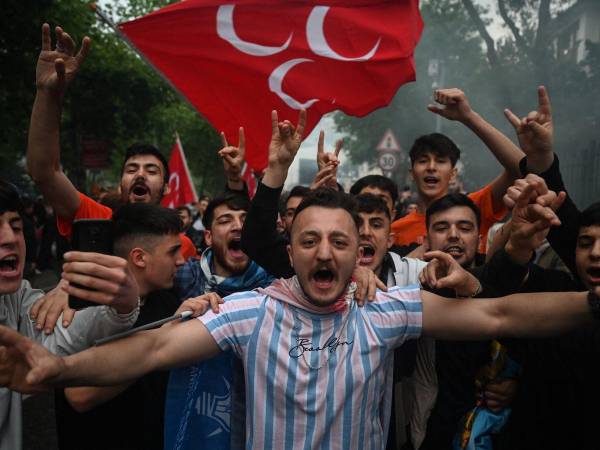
(289, 291)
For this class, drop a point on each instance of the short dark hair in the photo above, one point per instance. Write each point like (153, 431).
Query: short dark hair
(590, 216)
(330, 198)
(184, 208)
(134, 225)
(436, 143)
(369, 204)
(233, 200)
(450, 201)
(147, 149)
(298, 191)
(10, 198)
(376, 181)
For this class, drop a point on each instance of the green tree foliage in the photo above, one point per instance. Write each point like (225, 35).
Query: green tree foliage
(495, 74)
(115, 98)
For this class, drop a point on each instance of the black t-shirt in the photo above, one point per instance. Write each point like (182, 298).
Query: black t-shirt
(133, 420)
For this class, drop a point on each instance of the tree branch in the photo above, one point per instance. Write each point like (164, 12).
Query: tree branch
(544, 19)
(513, 28)
(490, 44)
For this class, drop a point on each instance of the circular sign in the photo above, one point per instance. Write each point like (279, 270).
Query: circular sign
(387, 161)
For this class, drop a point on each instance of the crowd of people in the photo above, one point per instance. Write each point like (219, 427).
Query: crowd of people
(319, 319)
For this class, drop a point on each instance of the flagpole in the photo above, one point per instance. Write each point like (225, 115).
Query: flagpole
(107, 20)
(185, 165)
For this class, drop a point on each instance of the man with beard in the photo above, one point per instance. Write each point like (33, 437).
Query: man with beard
(453, 223)
(145, 172)
(314, 361)
(17, 297)
(453, 226)
(202, 396)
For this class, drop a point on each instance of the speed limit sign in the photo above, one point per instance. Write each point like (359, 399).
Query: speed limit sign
(388, 161)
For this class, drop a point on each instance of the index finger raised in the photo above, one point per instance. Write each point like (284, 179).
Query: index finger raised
(242, 141)
(544, 101)
(46, 38)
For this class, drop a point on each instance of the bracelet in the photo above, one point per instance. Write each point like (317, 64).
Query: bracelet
(477, 292)
(594, 304)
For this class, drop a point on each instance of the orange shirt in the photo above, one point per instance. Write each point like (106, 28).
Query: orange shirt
(411, 228)
(91, 209)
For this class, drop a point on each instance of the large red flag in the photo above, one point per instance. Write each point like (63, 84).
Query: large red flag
(181, 187)
(239, 60)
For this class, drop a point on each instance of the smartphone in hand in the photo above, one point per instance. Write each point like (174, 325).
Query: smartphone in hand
(90, 235)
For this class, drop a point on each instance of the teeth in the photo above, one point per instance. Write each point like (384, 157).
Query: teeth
(10, 258)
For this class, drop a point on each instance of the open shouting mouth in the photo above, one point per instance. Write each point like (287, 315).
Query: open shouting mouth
(368, 254)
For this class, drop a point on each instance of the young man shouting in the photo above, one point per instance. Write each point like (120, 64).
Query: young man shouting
(313, 360)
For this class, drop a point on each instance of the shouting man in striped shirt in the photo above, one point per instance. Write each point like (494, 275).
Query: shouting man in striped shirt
(314, 360)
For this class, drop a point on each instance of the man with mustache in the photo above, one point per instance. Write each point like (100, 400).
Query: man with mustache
(314, 361)
(453, 228)
(145, 172)
(205, 400)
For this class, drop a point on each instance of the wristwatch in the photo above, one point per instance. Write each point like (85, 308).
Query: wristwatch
(594, 303)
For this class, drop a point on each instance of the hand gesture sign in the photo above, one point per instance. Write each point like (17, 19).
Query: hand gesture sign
(444, 272)
(325, 158)
(535, 132)
(233, 157)
(531, 220)
(455, 104)
(57, 68)
(285, 139)
(327, 164)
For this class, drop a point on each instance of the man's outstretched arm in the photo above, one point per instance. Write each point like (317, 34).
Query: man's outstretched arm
(55, 70)
(27, 367)
(518, 315)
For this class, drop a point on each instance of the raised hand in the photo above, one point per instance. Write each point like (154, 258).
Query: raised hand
(455, 105)
(26, 366)
(56, 68)
(107, 279)
(324, 158)
(531, 221)
(233, 157)
(536, 132)
(543, 195)
(444, 272)
(285, 139)
(326, 177)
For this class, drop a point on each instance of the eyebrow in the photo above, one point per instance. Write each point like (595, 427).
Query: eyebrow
(15, 220)
(146, 166)
(230, 215)
(459, 222)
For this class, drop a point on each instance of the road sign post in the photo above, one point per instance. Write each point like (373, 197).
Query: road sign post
(390, 153)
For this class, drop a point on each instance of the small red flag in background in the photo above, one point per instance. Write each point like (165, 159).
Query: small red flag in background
(181, 187)
(236, 62)
(249, 179)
